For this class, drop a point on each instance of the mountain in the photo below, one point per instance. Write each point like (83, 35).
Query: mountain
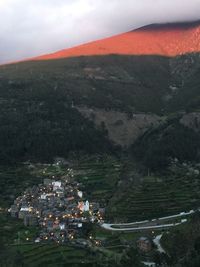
(125, 114)
(105, 96)
(159, 39)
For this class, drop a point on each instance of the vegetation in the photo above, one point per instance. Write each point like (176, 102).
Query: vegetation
(99, 176)
(42, 132)
(13, 234)
(52, 255)
(142, 194)
(170, 141)
(39, 119)
(183, 244)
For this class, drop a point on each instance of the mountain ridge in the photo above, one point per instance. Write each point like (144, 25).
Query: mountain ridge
(171, 39)
(183, 24)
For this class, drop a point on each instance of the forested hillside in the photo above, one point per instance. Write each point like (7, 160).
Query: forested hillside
(40, 116)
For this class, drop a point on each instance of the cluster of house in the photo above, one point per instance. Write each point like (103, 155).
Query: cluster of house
(58, 207)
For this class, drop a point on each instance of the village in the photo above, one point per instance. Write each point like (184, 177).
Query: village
(58, 208)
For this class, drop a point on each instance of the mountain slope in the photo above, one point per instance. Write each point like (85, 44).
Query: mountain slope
(164, 40)
(54, 107)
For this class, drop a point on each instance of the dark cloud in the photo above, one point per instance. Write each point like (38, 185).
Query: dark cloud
(33, 27)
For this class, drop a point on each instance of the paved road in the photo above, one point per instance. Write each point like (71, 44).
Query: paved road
(139, 228)
(154, 224)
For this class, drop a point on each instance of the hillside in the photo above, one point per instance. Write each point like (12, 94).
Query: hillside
(90, 104)
(124, 113)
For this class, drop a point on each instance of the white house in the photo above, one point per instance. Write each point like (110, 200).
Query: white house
(80, 194)
(56, 185)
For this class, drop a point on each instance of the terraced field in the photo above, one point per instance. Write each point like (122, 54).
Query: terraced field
(99, 178)
(14, 180)
(52, 255)
(125, 201)
(35, 255)
(150, 198)
(155, 197)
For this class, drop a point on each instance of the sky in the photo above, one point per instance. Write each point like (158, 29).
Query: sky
(34, 27)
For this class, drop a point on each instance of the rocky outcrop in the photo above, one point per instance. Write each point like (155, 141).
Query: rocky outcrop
(191, 120)
(122, 129)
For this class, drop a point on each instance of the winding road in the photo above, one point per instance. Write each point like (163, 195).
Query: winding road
(154, 224)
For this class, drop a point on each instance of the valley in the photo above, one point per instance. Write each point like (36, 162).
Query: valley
(124, 114)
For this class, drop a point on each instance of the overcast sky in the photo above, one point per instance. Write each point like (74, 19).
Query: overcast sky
(34, 27)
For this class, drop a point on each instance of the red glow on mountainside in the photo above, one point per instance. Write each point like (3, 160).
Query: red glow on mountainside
(164, 40)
